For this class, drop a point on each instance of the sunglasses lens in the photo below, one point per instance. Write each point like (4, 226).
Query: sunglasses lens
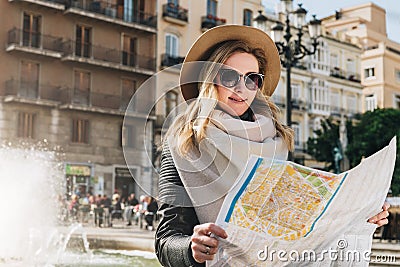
(229, 78)
(253, 81)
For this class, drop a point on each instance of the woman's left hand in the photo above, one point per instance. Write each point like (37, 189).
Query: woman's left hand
(381, 218)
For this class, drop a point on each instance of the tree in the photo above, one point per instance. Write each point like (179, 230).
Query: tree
(321, 147)
(372, 131)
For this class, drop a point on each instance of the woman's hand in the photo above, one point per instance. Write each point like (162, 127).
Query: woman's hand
(204, 244)
(381, 218)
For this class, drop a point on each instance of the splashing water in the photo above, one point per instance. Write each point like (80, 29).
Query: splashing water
(29, 184)
(31, 181)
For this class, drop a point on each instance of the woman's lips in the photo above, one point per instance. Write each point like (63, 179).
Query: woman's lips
(238, 100)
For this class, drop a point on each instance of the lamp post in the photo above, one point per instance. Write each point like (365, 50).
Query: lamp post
(292, 49)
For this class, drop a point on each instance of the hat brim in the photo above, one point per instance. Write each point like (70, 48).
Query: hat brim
(200, 51)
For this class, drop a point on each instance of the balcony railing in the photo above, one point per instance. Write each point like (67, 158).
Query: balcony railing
(34, 40)
(301, 66)
(86, 98)
(31, 90)
(341, 74)
(176, 12)
(115, 11)
(110, 55)
(210, 21)
(57, 4)
(299, 104)
(63, 95)
(168, 60)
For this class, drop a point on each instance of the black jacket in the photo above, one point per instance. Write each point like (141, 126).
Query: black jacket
(174, 231)
(173, 234)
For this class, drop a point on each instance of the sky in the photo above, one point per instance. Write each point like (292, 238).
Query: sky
(324, 8)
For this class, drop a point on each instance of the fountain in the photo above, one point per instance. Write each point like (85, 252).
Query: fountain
(31, 181)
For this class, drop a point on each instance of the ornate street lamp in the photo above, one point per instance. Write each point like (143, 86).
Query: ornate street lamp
(260, 21)
(292, 50)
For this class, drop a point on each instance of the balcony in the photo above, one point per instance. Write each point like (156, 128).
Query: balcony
(68, 98)
(175, 14)
(299, 104)
(36, 43)
(301, 66)
(336, 111)
(108, 57)
(168, 60)
(210, 21)
(341, 74)
(77, 98)
(55, 4)
(29, 90)
(113, 13)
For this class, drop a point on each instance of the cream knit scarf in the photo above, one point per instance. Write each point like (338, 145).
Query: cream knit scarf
(210, 171)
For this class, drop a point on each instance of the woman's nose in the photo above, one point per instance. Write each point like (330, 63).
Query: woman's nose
(240, 87)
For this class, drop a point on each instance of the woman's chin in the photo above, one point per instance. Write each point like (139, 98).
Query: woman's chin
(236, 112)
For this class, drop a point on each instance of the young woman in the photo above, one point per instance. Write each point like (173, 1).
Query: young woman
(230, 117)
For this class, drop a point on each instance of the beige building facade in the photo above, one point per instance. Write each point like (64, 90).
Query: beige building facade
(69, 69)
(326, 84)
(180, 23)
(323, 85)
(365, 26)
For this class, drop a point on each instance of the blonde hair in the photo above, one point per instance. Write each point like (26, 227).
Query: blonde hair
(197, 114)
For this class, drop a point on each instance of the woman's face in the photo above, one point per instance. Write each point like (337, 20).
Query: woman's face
(237, 99)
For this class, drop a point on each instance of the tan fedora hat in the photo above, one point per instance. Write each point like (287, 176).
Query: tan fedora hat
(203, 46)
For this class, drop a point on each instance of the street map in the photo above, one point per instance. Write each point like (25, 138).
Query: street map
(280, 206)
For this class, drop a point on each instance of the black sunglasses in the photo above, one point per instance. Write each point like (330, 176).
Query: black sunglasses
(230, 78)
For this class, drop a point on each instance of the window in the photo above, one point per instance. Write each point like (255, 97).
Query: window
(212, 7)
(351, 66)
(297, 137)
(129, 51)
(83, 45)
(29, 86)
(334, 60)
(128, 136)
(335, 103)
(320, 97)
(247, 17)
(369, 72)
(31, 30)
(397, 75)
(133, 10)
(25, 124)
(171, 103)
(82, 86)
(371, 102)
(171, 45)
(128, 89)
(320, 60)
(295, 91)
(80, 131)
(351, 104)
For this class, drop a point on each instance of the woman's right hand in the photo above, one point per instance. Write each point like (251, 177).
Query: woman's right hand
(204, 244)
